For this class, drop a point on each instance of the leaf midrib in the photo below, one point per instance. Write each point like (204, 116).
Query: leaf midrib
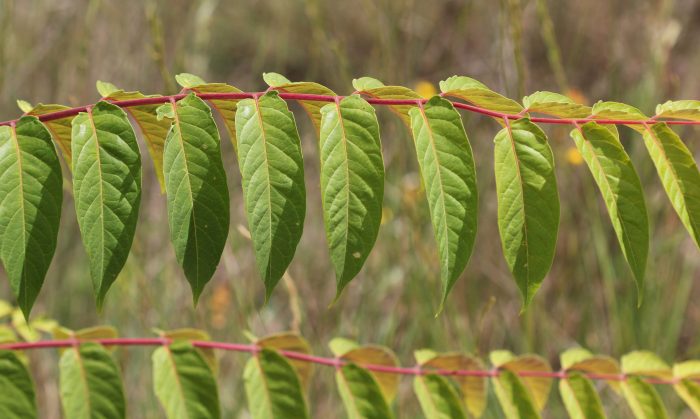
(445, 237)
(181, 142)
(20, 173)
(526, 242)
(268, 189)
(346, 163)
(101, 220)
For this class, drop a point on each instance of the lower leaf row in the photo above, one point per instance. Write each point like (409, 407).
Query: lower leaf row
(447, 385)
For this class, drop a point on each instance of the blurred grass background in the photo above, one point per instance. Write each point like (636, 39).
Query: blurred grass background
(639, 52)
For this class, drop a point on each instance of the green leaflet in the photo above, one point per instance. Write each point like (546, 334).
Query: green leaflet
(580, 397)
(437, 397)
(376, 89)
(528, 203)
(447, 169)
(272, 170)
(225, 107)
(688, 388)
(107, 190)
(352, 184)
(474, 389)
(288, 341)
(184, 383)
(679, 109)
(362, 397)
(154, 130)
(643, 399)
(678, 173)
(556, 104)
(477, 93)
(538, 387)
(622, 193)
(195, 185)
(513, 397)
(350, 351)
(60, 128)
(619, 111)
(641, 396)
(188, 335)
(312, 107)
(17, 400)
(273, 388)
(31, 195)
(90, 382)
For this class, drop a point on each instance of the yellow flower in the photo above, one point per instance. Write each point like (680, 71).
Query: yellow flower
(426, 89)
(573, 156)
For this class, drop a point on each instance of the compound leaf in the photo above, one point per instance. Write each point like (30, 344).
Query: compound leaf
(90, 382)
(448, 172)
(528, 203)
(269, 156)
(31, 195)
(196, 189)
(184, 382)
(107, 189)
(273, 388)
(352, 184)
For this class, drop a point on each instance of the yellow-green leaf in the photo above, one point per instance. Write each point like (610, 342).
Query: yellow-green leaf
(619, 184)
(312, 107)
(154, 130)
(376, 89)
(678, 173)
(555, 104)
(273, 388)
(477, 93)
(288, 341)
(688, 387)
(184, 383)
(90, 383)
(474, 389)
(225, 107)
(17, 399)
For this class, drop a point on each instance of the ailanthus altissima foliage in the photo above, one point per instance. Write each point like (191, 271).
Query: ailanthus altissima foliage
(280, 367)
(99, 145)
